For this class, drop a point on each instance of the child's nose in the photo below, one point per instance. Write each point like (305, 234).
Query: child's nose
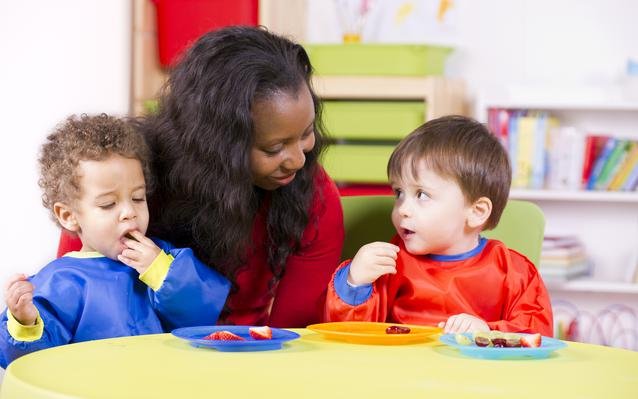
(127, 212)
(404, 209)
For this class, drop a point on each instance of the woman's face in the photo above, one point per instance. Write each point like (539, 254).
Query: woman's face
(284, 133)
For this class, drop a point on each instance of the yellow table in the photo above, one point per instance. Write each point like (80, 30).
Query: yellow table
(162, 366)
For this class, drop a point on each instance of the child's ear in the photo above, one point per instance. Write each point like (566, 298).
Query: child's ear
(65, 215)
(479, 212)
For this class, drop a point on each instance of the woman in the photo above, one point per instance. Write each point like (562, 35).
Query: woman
(236, 141)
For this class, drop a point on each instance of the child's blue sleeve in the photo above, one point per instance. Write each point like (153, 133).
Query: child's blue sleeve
(352, 295)
(192, 293)
(57, 324)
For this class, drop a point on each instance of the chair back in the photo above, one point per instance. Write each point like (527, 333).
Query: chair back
(366, 218)
(521, 228)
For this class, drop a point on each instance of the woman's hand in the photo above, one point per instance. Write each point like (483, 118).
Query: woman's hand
(372, 261)
(463, 322)
(140, 252)
(18, 294)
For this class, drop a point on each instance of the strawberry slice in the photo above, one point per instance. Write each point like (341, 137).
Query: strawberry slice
(223, 335)
(531, 341)
(260, 333)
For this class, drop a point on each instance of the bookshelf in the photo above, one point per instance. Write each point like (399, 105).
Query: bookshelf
(605, 221)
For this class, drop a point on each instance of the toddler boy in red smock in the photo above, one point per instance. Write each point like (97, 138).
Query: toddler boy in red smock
(451, 178)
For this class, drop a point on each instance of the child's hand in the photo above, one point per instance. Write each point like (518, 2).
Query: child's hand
(461, 323)
(141, 252)
(372, 261)
(18, 293)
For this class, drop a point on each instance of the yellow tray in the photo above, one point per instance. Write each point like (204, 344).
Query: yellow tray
(363, 332)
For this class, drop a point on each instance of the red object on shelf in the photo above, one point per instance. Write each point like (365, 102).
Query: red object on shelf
(181, 22)
(365, 189)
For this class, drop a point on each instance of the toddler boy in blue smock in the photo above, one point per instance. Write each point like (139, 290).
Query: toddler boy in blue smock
(95, 177)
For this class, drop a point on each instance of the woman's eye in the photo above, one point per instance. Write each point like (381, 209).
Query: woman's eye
(141, 199)
(272, 151)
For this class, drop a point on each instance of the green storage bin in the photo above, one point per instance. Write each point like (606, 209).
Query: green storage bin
(372, 120)
(378, 59)
(357, 163)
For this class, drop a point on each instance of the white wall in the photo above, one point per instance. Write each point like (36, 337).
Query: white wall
(545, 43)
(56, 58)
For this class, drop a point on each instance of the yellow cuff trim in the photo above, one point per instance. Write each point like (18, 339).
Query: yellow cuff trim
(156, 273)
(25, 333)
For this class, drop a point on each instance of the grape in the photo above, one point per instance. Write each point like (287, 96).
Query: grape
(397, 330)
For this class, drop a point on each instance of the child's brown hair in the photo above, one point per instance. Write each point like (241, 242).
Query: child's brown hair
(85, 138)
(462, 149)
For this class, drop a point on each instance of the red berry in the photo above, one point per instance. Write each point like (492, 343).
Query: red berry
(223, 335)
(531, 341)
(260, 333)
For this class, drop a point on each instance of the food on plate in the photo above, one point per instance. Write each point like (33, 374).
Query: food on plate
(499, 339)
(483, 339)
(223, 335)
(531, 341)
(512, 340)
(260, 333)
(397, 330)
(462, 339)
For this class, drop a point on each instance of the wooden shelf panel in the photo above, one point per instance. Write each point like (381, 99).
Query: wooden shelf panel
(372, 87)
(578, 196)
(442, 96)
(591, 285)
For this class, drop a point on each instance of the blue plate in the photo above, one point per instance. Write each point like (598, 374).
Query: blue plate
(195, 335)
(548, 345)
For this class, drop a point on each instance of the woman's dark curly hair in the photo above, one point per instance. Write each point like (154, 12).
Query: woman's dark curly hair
(85, 138)
(201, 137)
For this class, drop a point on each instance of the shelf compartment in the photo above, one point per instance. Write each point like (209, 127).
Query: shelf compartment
(357, 163)
(372, 120)
(378, 59)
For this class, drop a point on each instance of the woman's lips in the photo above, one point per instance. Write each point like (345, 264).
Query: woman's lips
(286, 179)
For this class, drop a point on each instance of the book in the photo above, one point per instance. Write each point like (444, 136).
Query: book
(512, 140)
(593, 146)
(562, 274)
(632, 180)
(540, 160)
(600, 162)
(565, 153)
(625, 168)
(524, 151)
(611, 164)
(498, 123)
(556, 241)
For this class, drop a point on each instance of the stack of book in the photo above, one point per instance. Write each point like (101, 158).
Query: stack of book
(563, 258)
